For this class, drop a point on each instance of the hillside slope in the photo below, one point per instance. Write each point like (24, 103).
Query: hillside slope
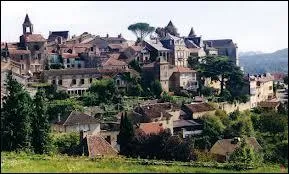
(268, 62)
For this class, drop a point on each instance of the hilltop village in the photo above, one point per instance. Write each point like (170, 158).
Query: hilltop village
(97, 81)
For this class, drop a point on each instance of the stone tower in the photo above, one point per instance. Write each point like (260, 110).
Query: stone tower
(27, 26)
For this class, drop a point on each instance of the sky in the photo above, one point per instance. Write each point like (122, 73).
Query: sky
(254, 26)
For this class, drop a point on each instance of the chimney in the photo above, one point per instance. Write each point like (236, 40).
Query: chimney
(58, 117)
(120, 36)
(107, 35)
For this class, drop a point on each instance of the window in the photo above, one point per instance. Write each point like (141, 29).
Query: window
(72, 65)
(90, 80)
(59, 82)
(73, 81)
(69, 51)
(22, 66)
(68, 66)
(118, 82)
(270, 87)
(39, 56)
(36, 47)
(53, 82)
(79, 65)
(91, 48)
(67, 60)
(108, 139)
(82, 81)
(21, 57)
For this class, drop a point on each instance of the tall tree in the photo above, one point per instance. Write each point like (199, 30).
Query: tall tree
(126, 134)
(40, 124)
(156, 88)
(141, 30)
(15, 116)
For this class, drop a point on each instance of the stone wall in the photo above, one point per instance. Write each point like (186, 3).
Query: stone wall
(232, 107)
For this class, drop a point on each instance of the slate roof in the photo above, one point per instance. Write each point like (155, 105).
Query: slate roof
(34, 38)
(220, 43)
(96, 146)
(225, 146)
(158, 46)
(195, 40)
(171, 37)
(191, 44)
(63, 34)
(76, 117)
(199, 107)
(151, 128)
(184, 123)
(27, 20)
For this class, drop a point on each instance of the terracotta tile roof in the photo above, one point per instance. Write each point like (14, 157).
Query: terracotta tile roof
(34, 38)
(151, 128)
(136, 48)
(156, 111)
(69, 56)
(184, 69)
(99, 146)
(225, 146)
(112, 61)
(115, 46)
(76, 117)
(267, 104)
(14, 51)
(199, 107)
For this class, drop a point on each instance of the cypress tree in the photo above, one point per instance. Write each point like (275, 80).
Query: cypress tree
(126, 134)
(40, 124)
(15, 116)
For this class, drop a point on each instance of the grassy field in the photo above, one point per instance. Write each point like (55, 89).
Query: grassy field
(12, 162)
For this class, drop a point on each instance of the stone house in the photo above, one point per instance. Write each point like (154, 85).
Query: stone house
(161, 113)
(180, 52)
(269, 105)
(225, 47)
(222, 149)
(75, 122)
(109, 131)
(29, 54)
(72, 61)
(187, 128)
(77, 81)
(260, 88)
(197, 110)
(95, 146)
(184, 78)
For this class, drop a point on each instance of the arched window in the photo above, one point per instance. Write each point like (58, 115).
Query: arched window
(73, 81)
(69, 51)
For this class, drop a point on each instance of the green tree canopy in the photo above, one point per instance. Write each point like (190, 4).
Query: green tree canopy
(40, 125)
(15, 116)
(141, 30)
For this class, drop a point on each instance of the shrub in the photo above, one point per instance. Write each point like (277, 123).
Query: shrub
(67, 143)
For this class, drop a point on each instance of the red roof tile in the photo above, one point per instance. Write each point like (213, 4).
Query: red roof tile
(34, 38)
(14, 51)
(199, 107)
(69, 56)
(99, 146)
(151, 128)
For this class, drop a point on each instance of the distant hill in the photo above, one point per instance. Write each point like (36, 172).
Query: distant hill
(265, 62)
(249, 53)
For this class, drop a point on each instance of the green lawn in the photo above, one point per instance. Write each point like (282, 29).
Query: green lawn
(12, 162)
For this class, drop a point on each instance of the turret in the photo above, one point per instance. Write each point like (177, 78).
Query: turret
(27, 26)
